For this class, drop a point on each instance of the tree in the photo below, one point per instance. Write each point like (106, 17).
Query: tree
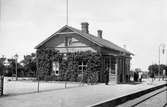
(162, 67)
(29, 64)
(11, 67)
(155, 68)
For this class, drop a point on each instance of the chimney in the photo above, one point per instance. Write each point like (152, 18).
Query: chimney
(124, 46)
(84, 27)
(99, 33)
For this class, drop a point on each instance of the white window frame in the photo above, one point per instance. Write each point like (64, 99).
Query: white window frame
(55, 68)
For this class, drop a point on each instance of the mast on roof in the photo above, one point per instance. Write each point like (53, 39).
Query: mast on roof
(66, 12)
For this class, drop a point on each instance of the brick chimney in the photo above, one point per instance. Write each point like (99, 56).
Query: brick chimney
(99, 33)
(84, 27)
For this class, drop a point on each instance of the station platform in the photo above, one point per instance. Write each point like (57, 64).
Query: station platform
(100, 95)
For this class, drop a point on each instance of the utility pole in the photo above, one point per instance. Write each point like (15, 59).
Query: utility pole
(159, 52)
(37, 72)
(16, 57)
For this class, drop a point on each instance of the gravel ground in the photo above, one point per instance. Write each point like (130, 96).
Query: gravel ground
(75, 97)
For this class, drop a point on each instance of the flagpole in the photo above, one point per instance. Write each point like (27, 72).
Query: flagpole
(67, 12)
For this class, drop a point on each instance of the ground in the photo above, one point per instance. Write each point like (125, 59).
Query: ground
(71, 97)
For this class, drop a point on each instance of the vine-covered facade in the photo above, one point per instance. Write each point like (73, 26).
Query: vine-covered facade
(76, 55)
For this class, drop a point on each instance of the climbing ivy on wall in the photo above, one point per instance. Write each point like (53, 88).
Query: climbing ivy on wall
(45, 57)
(69, 67)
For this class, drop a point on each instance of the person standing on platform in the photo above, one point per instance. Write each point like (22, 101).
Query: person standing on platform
(152, 76)
(106, 76)
(136, 76)
(164, 74)
(140, 76)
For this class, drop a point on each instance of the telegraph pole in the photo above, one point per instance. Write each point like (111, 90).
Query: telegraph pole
(159, 51)
(16, 56)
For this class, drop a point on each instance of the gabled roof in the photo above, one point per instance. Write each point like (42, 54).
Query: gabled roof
(99, 41)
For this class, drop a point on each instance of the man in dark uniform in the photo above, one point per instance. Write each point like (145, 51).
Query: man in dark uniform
(152, 75)
(106, 76)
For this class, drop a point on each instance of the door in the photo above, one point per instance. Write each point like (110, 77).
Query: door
(110, 63)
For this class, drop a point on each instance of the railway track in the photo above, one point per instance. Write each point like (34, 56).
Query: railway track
(157, 98)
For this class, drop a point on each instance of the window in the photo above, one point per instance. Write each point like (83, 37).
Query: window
(68, 41)
(82, 66)
(55, 68)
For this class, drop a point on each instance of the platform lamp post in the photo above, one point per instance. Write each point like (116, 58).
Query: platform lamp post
(4, 64)
(159, 52)
(16, 57)
(4, 61)
(166, 57)
(166, 63)
(37, 71)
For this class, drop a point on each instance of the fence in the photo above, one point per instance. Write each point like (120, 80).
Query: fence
(28, 85)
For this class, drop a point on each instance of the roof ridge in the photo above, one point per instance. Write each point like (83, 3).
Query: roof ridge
(89, 34)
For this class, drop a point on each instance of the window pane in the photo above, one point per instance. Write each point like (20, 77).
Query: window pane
(84, 68)
(80, 68)
(84, 63)
(80, 63)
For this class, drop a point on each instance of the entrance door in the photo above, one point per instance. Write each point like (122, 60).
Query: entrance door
(112, 74)
(110, 63)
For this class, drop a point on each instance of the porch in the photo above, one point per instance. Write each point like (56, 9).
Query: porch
(119, 68)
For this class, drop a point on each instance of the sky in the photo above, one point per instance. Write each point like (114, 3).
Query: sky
(138, 24)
